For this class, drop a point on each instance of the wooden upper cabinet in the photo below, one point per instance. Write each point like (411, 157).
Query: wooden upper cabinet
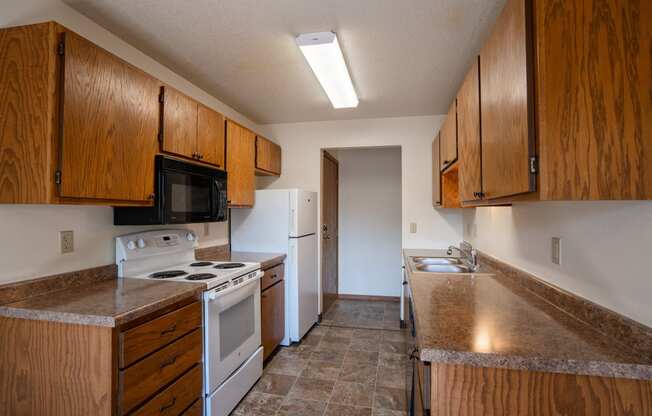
(240, 161)
(448, 138)
(210, 136)
(594, 100)
(507, 133)
(436, 173)
(179, 125)
(268, 157)
(109, 126)
(468, 136)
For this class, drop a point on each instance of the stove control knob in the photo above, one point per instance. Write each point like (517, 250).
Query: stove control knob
(131, 245)
(190, 237)
(141, 243)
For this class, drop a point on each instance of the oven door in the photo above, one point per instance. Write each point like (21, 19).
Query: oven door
(187, 197)
(231, 330)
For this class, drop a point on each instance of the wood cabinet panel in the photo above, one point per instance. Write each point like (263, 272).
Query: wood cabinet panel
(197, 409)
(593, 99)
(53, 368)
(436, 172)
(240, 156)
(507, 133)
(27, 97)
(272, 308)
(468, 391)
(140, 381)
(210, 136)
(150, 336)
(110, 124)
(272, 275)
(268, 156)
(176, 397)
(468, 136)
(179, 124)
(448, 138)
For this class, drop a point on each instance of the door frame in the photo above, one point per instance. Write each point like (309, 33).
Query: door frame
(325, 155)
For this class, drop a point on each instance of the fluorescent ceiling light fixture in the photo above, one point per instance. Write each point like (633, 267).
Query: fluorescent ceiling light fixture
(323, 53)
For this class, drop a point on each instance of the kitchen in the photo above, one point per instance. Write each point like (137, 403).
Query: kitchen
(520, 127)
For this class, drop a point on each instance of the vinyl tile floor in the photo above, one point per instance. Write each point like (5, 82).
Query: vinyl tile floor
(337, 369)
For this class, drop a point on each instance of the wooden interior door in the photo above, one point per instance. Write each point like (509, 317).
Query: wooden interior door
(436, 173)
(468, 136)
(329, 231)
(210, 136)
(110, 125)
(240, 159)
(179, 132)
(507, 136)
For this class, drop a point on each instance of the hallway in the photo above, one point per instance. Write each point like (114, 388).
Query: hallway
(353, 363)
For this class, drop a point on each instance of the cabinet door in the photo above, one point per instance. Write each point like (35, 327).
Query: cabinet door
(240, 154)
(268, 156)
(448, 137)
(110, 123)
(436, 173)
(272, 308)
(468, 134)
(179, 129)
(507, 139)
(210, 136)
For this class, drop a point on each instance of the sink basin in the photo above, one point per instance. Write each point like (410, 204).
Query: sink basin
(443, 268)
(437, 260)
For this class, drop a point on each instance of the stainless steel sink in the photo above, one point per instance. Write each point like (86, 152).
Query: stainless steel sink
(443, 268)
(437, 260)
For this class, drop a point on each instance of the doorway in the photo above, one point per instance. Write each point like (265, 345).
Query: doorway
(329, 230)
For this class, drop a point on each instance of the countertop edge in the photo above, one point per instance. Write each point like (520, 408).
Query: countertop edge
(560, 366)
(61, 317)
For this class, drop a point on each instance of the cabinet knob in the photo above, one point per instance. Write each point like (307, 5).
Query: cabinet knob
(151, 196)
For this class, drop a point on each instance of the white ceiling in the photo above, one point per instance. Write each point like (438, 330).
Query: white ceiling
(406, 57)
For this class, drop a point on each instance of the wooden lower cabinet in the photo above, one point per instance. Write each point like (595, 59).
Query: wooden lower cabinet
(460, 390)
(272, 309)
(54, 368)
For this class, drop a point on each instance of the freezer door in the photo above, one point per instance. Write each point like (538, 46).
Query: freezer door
(304, 301)
(303, 213)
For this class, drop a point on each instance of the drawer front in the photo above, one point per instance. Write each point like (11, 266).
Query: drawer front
(178, 396)
(272, 325)
(144, 378)
(150, 336)
(195, 410)
(272, 275)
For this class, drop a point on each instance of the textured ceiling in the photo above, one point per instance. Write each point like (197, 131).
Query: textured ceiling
(406, 57)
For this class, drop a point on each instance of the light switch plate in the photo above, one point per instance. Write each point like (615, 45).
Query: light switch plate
(66, 241)
(413, 227)
(556, 250)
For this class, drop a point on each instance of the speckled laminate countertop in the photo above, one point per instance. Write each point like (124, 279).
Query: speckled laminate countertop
(488, 320)
(266, 260)
(109, 303)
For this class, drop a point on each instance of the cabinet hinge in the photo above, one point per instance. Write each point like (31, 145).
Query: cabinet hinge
(61, 48)
(57, 177)
(534, 165)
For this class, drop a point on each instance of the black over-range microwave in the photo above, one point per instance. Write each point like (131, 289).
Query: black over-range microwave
(185, 193)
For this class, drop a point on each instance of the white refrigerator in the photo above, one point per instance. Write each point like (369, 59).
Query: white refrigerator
(285, 221)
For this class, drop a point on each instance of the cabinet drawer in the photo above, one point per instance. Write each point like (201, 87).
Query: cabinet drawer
(272, 275)
(144, 378)
(195, 410)
(177, 397)
(148, 337)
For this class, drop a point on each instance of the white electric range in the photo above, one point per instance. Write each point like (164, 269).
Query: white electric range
(233, 355)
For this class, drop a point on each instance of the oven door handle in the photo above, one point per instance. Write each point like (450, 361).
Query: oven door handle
(213, 295)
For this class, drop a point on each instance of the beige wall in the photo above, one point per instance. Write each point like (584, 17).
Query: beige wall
(30, 246)
(605, 248)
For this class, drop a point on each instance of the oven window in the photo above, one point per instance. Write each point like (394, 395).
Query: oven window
(237, 325)
(188, 196)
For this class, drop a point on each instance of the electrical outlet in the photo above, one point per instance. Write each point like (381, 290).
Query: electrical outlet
(556, 250)
(66, 241)
(413, 227)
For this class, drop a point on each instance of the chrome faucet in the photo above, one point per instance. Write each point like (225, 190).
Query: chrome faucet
(468, 253)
